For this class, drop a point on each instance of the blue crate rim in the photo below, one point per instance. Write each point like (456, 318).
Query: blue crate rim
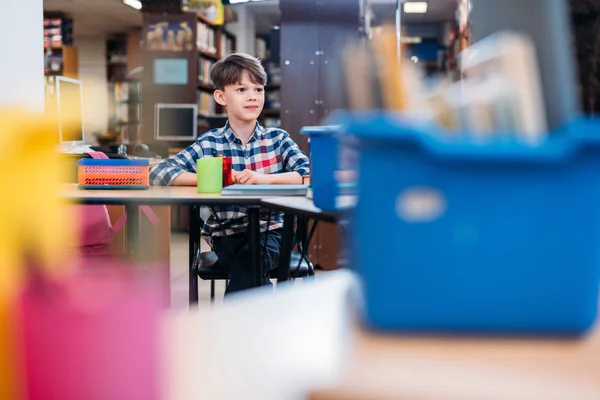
(325, 130)
(392, 129)
(90, 162)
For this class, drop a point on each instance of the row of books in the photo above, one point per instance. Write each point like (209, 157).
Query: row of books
(227, 45)
(204, 67)
(500, 90)
(206, 38)
(261, 50)
(58, 32)
(206, 103)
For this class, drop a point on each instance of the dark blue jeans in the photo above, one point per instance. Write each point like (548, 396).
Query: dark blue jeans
(236, 258)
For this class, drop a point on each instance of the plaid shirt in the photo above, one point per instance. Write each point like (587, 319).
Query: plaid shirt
(269, 151)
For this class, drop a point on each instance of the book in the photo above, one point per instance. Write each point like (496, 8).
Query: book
(264, 190)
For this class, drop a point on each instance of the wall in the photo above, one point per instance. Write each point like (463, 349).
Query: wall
(92, 73)
(22, 70)
(244, 30)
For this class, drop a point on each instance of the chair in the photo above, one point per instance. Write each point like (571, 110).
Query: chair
(206, 266)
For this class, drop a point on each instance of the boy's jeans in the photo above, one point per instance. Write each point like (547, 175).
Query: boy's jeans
(235, 257)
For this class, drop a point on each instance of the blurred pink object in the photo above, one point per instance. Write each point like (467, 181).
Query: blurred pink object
(92, 336)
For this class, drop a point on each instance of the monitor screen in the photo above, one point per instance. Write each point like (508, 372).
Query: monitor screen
(176, 121)
(70, 113)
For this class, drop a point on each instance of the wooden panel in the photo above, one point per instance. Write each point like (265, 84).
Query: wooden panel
(299, 87)
(328, 246)
(70, 62)
(134, 51)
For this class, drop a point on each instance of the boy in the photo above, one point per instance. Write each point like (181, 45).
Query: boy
(259, 156)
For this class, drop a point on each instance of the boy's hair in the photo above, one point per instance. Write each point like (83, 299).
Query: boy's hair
(229, 70)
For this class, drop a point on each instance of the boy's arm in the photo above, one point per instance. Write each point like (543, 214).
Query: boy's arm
(248, 177)
(179, 169)
(294, 160)
(185, 179)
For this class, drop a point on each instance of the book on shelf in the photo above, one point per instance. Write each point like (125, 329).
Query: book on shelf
(273, 73)
(204, 67)
(226, 45)
(58, 32)
(206, 38)
(273, 100)
(261, 49)
(272, 123)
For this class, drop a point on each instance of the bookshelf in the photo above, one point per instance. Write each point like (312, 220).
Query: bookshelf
(60, 57)
(124, 95)
(267, 49)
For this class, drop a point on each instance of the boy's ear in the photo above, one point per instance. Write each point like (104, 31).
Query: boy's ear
(220, 97)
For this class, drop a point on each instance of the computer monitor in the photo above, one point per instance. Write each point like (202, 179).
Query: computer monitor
(69, 98)
(176, 121)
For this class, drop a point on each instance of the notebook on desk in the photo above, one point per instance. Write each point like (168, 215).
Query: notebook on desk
(264, 190)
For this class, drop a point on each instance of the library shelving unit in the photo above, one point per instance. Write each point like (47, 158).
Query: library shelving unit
(60, 57)
(124, 93)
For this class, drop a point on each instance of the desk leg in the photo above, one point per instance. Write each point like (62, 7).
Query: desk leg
(254, 232)
(133, 231)
(194, 247)
(287, 243)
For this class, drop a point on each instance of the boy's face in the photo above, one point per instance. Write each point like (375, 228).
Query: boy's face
(244, 101)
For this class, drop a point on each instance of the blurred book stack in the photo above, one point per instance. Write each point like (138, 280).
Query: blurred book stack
(499, 90)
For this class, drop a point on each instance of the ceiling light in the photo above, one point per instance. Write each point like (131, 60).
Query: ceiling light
(411, 39)
(137, 4)
(416, 7)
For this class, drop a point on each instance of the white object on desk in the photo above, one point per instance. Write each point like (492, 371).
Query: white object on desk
(280, 345)
(74, 148)
(261, 344)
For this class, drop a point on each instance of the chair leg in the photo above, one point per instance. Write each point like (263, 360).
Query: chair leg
(212, 290)
(193, 278)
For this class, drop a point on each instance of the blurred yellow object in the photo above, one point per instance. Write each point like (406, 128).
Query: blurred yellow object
(34, 226)
(207, 8)
(390, 69)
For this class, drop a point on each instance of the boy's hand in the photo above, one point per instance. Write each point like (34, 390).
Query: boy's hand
(248, 177)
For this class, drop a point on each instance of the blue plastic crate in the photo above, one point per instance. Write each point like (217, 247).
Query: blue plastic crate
(327, 157)
(451, 235)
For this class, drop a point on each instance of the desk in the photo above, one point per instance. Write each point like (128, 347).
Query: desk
(309, 340)
(303, 207)
(170, 195)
